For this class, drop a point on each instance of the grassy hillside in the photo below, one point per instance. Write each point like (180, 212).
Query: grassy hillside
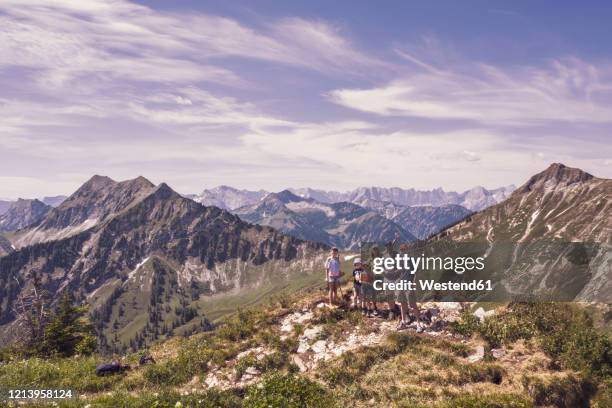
(291, 350)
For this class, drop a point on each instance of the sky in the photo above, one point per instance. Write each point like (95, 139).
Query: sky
(276, 94)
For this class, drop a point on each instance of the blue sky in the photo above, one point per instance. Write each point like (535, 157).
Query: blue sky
(333, 95)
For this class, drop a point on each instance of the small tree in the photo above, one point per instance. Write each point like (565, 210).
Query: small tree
(69, 331)
(32, 313)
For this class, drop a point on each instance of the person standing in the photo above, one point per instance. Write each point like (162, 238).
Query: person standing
(333, 272)
(357, 270)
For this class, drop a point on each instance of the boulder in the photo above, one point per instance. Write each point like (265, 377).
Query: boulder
(478, 355)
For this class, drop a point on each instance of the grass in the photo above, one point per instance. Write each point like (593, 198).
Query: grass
(560, 391)
(77, 374)
(288, 390)
(406, 370)
(564, 331)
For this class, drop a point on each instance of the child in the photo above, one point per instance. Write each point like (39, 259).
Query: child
(367, 291)
(358, 268)
(333, 273)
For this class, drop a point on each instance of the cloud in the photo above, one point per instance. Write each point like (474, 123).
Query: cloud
(565, 90)
(119, 40)
(194, 99)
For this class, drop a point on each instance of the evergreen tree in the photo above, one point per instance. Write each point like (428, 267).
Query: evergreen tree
(69, 331)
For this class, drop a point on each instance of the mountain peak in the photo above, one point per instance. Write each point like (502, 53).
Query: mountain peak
(22, 213)
(98, 180)
(556, 174)
(287, 196)
(139, 182)
(164, 191)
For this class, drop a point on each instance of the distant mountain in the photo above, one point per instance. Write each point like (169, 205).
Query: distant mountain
(343, 224)
(54, 201)
(4, 205)
(369, 197)
(229, 198)
(22, 213)
(321, 196)
(5, 246)
(424, 221)
(558, 219)
(475, 199)
(146, 259)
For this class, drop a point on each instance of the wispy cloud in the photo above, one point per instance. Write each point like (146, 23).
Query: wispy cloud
(564, 90)
(119, 40)
(114, 87)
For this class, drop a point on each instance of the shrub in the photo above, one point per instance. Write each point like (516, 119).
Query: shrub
(471, 373)
(326, 315)
(168, 373)
(473, 400)
(566, 333)
(467, 325)
(239, 326)
(506, 328)
(287, 390)
(562, 392)
(603, 398)
(354, 363)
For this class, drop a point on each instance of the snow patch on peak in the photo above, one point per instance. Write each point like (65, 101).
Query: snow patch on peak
(299, 206)
(132, 274)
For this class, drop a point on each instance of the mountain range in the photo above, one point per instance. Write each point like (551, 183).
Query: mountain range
(475, 199)
(151, 262)
(344, 225)
(143, 257)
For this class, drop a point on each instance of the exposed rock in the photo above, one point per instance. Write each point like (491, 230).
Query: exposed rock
(303, 347)
(300, 364)
(252, 371)
(498, 352)
(480, 314)
(295, 318)
(319, 346)
(311, 333)
(478, 355)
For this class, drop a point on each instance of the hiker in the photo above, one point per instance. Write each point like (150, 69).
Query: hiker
(367, 292)
(111, 368)
(386, 296)
(357, 270)
(405, 298)
(333, 273)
